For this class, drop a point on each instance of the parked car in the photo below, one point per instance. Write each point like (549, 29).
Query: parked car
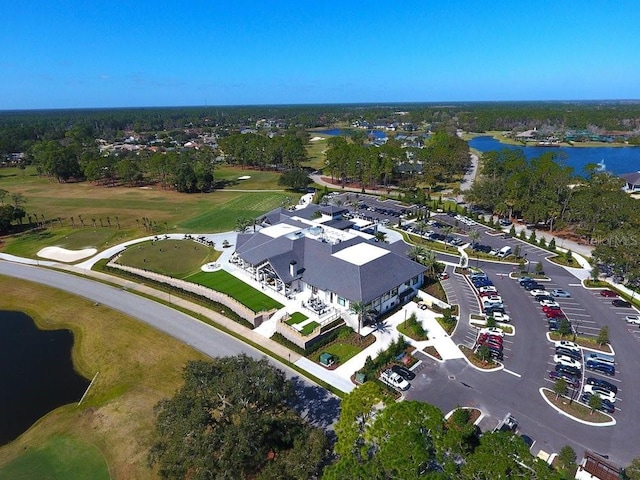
(572, 380)
(554, 313)
(618, 302)
(635, 319)
(576, 355)
(540, 298)
(492, 331)
(403, 371)
(549, 308)
(604, 393)
(549, 304)
(494, 338)
(491, 343)
(605, 405)
(567, 344)
(602, 384)
(493, 309)
(501, 317)
(487, 289)
(523, 280)
(608, 293)
(560, 293)
(601, 367)
(536, 291)
(567, 361)
(394, 380)
(567, 369)
(534, 286)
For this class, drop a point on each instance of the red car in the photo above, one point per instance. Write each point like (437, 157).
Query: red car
(608, 293)
(555, 314)
(483, 338)
(550, 308)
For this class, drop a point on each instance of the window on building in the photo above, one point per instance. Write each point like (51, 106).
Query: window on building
(341, 301)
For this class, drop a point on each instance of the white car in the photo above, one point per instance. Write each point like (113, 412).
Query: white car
(492, 299)
(492, 331)
(567, 361)
(535, 292)
(568, 345)
(393, 379)
(549, 303)
(633, 319)
(602, 392)
(501, 317)
(488, 288)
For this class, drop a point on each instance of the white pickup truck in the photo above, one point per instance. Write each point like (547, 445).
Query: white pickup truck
(394, 380)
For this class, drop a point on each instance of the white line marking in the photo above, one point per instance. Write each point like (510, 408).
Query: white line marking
(511, 373)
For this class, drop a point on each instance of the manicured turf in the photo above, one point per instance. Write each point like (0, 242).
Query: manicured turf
(343, 351)
(309, 328)
(168, 210)
(296, 318)
(176, 258)
(224, 282)
(60, 458)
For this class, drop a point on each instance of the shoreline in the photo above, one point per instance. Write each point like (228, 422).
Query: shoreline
(508, 141)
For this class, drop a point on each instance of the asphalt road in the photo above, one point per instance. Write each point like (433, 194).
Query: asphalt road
(319, 406)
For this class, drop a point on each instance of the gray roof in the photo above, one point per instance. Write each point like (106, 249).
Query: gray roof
(316, 265)
(632, 178)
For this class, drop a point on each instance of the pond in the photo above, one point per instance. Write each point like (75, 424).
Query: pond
(36, 373)
(617, 160)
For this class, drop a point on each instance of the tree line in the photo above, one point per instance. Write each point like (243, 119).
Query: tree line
(545, 193)
(442, 158)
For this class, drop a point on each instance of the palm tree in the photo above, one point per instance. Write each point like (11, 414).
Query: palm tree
(381, 237)
(416, 253)
(357, 308)
(429, 260)
(242, 224)
(474, 235)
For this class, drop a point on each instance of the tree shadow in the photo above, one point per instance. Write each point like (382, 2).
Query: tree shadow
(315, 404)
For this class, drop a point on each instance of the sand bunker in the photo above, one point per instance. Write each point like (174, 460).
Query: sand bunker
(315, 139)
(63, 255)
(210, 267)
(244, 177)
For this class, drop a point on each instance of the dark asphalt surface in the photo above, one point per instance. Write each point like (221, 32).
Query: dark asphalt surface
(319, 406)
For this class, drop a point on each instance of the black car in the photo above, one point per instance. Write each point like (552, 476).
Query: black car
(575, 354)
(403, 371)
(568, 369)
(572, 380)
(618, 302)
(602, 384)
(533, 286)
(540, 298)
(605, 405)
(494, 309)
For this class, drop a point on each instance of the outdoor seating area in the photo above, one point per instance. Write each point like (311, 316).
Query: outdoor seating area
(316, 305)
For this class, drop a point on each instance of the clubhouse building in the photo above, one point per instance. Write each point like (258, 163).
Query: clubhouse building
(315, 256)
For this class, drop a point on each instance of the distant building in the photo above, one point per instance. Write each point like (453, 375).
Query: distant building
(632, 182)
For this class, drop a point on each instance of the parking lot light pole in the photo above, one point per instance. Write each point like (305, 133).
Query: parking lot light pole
(526, 260)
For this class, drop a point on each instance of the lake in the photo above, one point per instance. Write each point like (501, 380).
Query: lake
(36, 373)
(617, 160)
(379, 134)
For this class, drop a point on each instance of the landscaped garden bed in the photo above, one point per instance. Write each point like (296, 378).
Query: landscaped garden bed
(413, 329)
(576, 409)
(587, 342)
(477, 361)
(432, 352)
(346, 346)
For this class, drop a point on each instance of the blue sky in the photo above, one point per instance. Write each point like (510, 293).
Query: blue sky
(72, 54)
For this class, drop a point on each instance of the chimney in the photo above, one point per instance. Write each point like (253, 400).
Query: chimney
(292, 268)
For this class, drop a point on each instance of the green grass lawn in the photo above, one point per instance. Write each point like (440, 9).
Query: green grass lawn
(176, 258)
(168, 210)
(224, 282)
(296, 318)
(309, 328)
(342, 351)
(60, 458)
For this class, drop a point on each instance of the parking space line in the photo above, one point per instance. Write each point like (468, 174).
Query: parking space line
(510, 372)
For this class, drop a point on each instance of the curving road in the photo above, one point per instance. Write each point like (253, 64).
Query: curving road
(318, 406)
